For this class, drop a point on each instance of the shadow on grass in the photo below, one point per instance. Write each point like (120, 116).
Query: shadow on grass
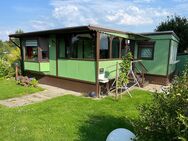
(98, 127)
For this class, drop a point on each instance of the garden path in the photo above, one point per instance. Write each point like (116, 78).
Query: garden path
(48, 93)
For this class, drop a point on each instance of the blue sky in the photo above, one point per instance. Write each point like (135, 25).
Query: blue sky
(125, 15)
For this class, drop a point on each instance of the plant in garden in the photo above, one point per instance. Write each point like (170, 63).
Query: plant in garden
(124, 69)
(166, 118)
(28, 82)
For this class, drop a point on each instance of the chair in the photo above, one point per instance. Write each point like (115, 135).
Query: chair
(103, 80)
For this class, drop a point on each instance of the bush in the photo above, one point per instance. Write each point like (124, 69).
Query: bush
(6, 70)
(28, 82)
(166, 118)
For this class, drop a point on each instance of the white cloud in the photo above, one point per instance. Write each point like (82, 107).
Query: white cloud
(41, 24)
(120, 12)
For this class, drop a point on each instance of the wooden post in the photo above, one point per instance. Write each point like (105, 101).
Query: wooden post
(116, 80)
(110, 50)
(97, 62)
(16, 76)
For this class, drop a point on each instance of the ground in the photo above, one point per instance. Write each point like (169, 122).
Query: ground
(70, 118)
(9, 89)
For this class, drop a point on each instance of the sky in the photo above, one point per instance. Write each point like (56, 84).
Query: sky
(125, 15)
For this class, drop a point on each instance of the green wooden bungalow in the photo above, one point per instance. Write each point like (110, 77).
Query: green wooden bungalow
(72, 57)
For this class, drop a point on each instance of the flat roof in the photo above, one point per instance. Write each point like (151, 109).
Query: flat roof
(76, 29)
(160, 33)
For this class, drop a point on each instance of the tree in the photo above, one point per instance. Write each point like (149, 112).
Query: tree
(9, 54)
(180, 26)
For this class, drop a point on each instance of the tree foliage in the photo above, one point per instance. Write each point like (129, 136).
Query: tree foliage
(180, 26)
(166, 118)
(9, 54)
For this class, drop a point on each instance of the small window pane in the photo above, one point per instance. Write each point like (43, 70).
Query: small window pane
(125, 47)
(115, 48)
(31, 53)
(146, 52)
(44, 55)
(83, 46)
(104, 46)
(61, 51)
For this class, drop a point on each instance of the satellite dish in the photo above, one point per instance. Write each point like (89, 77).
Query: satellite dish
(121, 134)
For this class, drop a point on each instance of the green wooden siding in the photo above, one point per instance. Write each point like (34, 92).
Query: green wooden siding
(183, 59)
(32, 66)
(77, 69)
(110, 68)
(44, 67)
(36, 66)
(157, 66)
(52, 55)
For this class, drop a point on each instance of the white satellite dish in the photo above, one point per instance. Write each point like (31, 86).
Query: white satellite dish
(121, 134)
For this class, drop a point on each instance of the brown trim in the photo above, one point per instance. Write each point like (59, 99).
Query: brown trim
(45, 61)
(97, 61)
(110, 59)
(169, 48)
(156, 75)
(14, 42)
(110, 50)
(157, 79)
(78, 59)
(69, 84)
(71, 79)
(120, 40)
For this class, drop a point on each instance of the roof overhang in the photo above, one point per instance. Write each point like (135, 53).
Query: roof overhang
(112, 32)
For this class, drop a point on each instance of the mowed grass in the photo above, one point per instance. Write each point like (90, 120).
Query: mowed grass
(9, 89)
(70, 118)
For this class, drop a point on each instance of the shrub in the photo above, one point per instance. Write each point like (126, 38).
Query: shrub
(6, 70)
(166, 118)
(28, 82)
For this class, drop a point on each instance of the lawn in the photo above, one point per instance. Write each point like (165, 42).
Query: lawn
(9, 89)
(70, 118)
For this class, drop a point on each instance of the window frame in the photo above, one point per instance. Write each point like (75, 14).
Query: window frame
(118, 46)
(108, 50)
(25, 48)
(41, 49)
(69, 46)
(146, 45)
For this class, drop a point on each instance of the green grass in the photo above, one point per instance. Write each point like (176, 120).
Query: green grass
(9, 89)
(70, 118)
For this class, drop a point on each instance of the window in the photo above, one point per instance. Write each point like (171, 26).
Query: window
(31, 50)
(104, 46)
(44, 54)
(83, 46)
(173, 54)
(115, 48)
(61, 49)
(125, 47)
(44, 47)
(146, 50)
(77, 46)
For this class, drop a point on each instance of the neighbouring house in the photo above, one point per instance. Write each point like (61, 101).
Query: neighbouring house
(72, 57)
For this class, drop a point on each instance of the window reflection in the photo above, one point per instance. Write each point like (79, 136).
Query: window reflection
(104, 46)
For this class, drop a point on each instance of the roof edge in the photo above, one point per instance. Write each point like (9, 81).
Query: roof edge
(161, 33)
